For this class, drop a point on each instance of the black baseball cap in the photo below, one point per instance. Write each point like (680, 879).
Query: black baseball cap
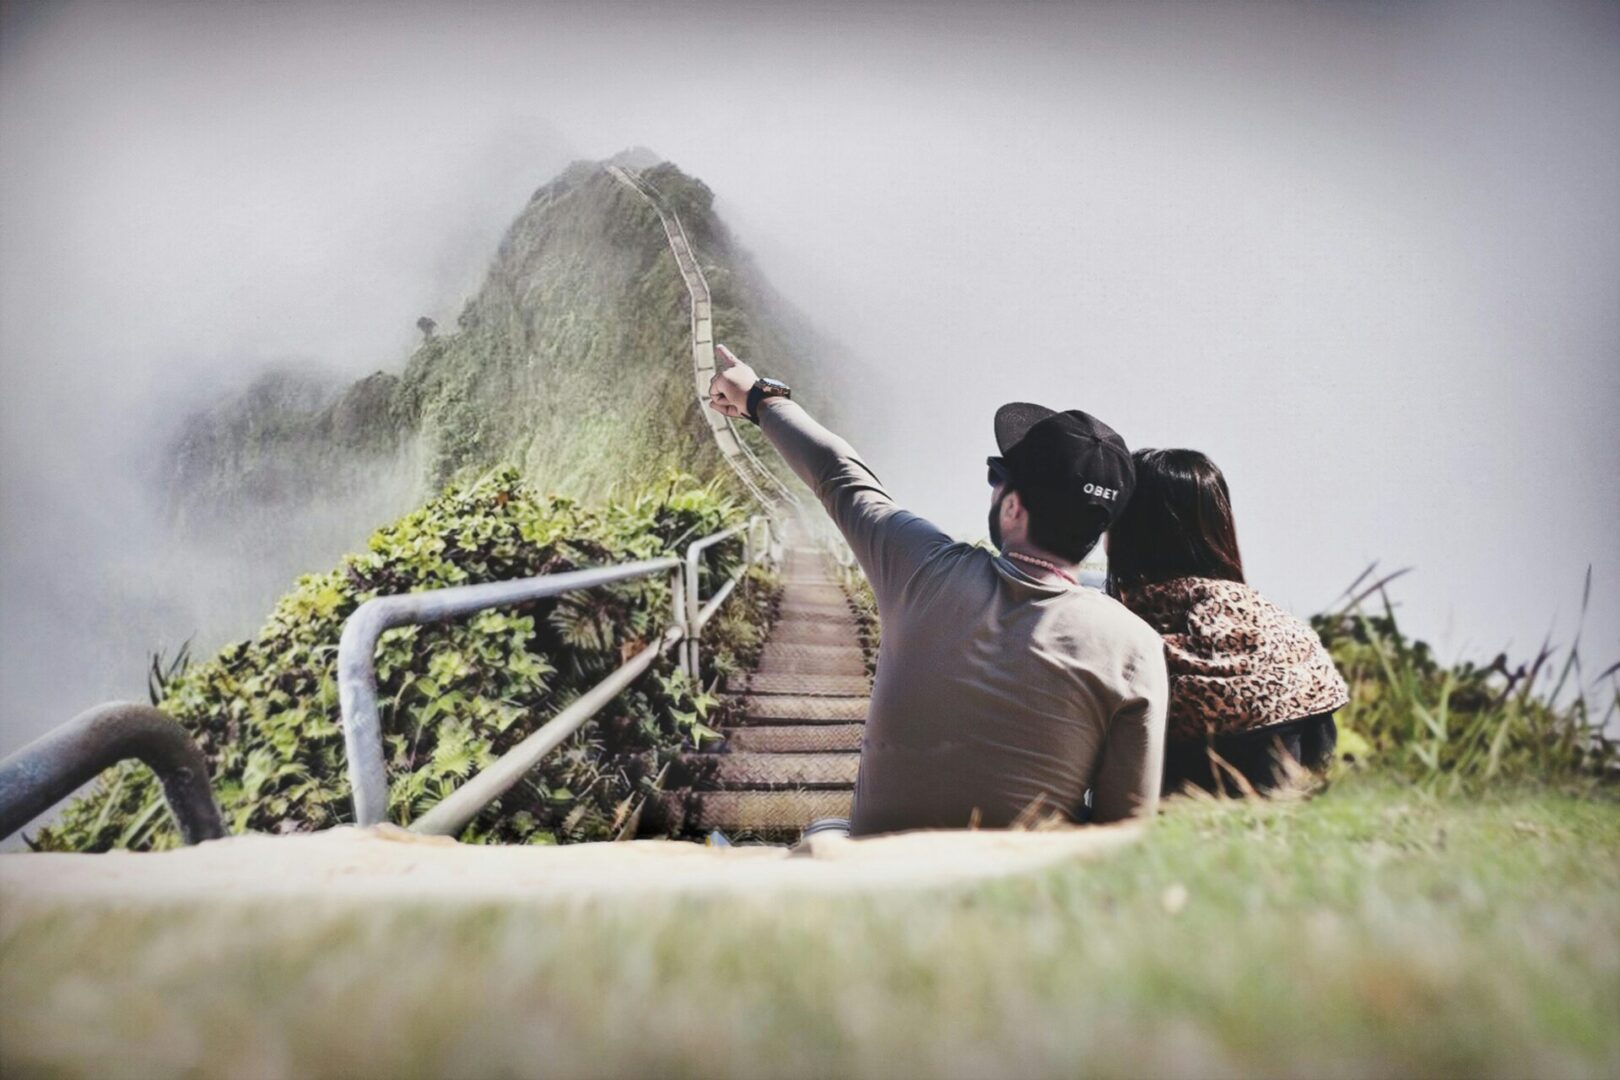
(1064, 462)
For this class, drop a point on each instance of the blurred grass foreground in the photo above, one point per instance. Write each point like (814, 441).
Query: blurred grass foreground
(1372, 930)
(1447, 902)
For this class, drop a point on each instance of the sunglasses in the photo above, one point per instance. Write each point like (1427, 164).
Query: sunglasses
(999, 473)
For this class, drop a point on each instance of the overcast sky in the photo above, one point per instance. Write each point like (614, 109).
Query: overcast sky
(1367, 256)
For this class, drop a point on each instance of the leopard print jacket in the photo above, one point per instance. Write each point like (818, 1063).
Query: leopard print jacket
(1237, 661)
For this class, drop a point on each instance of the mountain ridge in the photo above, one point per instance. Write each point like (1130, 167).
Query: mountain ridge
(571, 361)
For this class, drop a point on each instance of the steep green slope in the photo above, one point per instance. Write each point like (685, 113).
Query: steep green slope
(293, 438)
(572, 360)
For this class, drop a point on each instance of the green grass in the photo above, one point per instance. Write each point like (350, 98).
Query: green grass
(1467, 726)
(1372, 930)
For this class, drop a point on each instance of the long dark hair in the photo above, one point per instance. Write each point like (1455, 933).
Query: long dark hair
(1177, 524)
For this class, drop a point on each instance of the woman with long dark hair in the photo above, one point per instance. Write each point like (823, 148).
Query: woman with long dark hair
(1252, 690)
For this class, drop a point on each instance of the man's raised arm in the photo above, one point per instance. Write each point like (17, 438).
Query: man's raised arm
(888, 542)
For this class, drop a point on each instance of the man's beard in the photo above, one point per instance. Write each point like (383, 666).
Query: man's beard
(995, 520)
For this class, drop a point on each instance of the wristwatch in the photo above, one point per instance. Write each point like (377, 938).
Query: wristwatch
(763, 389)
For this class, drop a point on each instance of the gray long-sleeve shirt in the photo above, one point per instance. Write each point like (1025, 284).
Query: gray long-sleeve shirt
(995, 691)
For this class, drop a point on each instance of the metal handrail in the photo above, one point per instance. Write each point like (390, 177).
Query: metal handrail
(53, 766)
(736, 452)
(759, 466)
(771, 479)
(357, 676)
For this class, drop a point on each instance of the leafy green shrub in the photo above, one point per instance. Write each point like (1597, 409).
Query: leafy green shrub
(453, 697)
(1458, 727)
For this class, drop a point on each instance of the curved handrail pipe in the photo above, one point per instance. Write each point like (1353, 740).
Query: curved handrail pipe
(53, 766)
(356, 662)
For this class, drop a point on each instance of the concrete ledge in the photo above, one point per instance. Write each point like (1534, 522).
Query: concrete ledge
(389, 865)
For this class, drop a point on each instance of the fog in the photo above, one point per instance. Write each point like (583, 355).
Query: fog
(1366, 256)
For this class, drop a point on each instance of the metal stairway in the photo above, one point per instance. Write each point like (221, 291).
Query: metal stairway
(764, 485)
(793, 754)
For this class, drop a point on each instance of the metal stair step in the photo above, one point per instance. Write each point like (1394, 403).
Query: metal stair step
(813, 605)
(733, 770)
(768, 812)
(812, 587)
(803, 709)
(799, 632)
(811, 567)
(805, 564)
(841, 616)
(797, 659)
(828, 593)
(761, 682)
(795, 738)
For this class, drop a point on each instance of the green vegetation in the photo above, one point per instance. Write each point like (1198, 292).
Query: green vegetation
(254, 449)
(1373, 930)
(1462, 728)
(574, 358)
(453, 696)
(572, 361)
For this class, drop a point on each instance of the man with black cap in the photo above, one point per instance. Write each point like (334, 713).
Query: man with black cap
(1005, 691)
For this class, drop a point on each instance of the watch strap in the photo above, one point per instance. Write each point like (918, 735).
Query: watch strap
(762, 389)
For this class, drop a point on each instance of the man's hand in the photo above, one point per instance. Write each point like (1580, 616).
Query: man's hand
(728, 390)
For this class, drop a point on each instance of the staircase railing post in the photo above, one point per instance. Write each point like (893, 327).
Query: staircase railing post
(680, 615)
(698, 612)
(694, 630)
